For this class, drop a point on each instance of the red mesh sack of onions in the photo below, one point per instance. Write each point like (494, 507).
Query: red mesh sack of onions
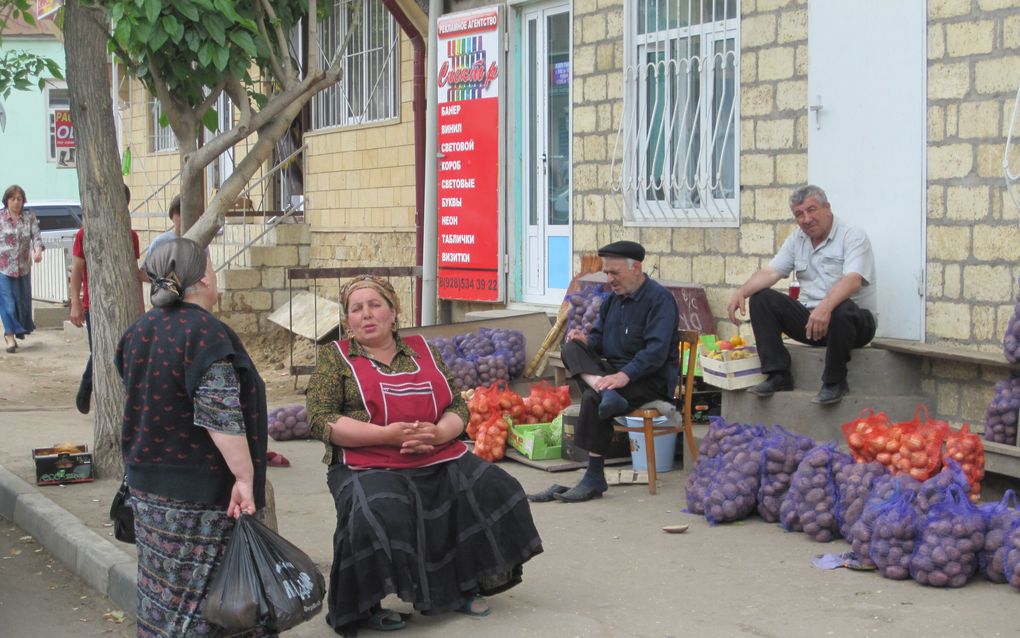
(894, 535)
(1001, 415)
(782, 452)
(950, 538)
(883, 489)
(854, 482)
(966, 448)
(999, 519)
(866, 435)
(288, 422)
(810, 504)
(733, 491)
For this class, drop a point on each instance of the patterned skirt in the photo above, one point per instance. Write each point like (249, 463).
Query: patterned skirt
(179, 547)
(433, 536)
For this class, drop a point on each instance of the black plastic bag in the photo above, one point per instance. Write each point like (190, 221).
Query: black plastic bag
(263, 581)
(122, 515)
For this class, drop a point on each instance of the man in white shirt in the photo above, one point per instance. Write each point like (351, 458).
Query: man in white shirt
(835, 267)
(175, 216)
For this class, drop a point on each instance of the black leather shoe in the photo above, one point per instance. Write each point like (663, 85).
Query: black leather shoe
(831, 393)
(777, 382)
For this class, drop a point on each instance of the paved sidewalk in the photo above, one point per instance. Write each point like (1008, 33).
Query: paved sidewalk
(608, 569)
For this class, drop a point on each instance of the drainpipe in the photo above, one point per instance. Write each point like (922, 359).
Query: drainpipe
(431, 255)
(418, 107)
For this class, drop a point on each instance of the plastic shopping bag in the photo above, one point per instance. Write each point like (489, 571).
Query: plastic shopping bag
(263, 580)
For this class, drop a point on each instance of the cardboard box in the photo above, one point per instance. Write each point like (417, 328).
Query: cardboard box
(530, 441)
(732, 374)
(56, 467)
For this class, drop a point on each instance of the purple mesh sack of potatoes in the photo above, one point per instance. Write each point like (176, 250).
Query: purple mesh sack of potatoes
(1001, 415)
(810, 504)
(999, 519)
(853, 485)
(782, 452)
(950, 538)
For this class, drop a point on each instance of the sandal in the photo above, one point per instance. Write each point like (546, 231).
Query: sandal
(274, 459)
(383, 620)
(475, 606)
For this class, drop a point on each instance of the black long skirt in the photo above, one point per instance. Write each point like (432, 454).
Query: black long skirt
(433, 536)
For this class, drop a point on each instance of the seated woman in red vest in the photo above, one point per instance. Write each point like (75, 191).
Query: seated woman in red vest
(417, 515)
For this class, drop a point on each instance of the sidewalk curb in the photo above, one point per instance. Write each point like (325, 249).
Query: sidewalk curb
(91, 557)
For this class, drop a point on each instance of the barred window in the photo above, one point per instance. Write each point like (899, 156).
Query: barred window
(162, 137)
(680, 163)
(368, 87)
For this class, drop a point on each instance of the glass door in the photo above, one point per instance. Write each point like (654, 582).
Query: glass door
(546, 158)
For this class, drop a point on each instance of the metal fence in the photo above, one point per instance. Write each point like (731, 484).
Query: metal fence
(50, 276)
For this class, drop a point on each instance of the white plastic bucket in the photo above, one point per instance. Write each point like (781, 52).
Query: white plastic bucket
(665, 446)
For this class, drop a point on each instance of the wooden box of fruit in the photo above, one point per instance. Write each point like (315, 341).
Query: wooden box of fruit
(730, 366)
(62, 463)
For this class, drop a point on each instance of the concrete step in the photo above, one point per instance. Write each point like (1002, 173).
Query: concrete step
(794, 410)
(870, 371)
(49, 315)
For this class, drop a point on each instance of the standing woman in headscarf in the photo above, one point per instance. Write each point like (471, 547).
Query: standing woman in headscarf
(20, 244)
(417, 515)
(194, 439)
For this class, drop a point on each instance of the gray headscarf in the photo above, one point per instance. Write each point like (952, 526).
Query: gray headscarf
(175, 266)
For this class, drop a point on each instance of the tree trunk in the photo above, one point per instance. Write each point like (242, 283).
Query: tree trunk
(114, 293)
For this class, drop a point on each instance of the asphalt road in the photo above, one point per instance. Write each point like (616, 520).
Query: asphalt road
(39, 597)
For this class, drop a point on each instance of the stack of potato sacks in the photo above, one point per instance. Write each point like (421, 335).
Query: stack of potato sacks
(905, 497)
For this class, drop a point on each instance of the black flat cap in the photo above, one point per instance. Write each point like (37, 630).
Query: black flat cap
(624, 250)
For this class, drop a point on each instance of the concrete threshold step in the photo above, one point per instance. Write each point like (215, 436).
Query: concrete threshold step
(870, 370)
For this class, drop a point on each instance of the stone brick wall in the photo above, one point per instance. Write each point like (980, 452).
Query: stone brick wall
(973, 72)
(249, 295)
(359, 191)
(773, 143)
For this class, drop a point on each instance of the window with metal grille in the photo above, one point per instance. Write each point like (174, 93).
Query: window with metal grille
(368, 87)
(680, 164)
(162, 137)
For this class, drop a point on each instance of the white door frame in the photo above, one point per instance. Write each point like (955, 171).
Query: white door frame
(533, 244)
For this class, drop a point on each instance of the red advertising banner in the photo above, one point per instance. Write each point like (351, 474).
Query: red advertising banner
(469, 156)
(63, 129)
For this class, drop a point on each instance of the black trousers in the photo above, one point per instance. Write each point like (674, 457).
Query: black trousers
(773, 313)
(86, 378)
(593, 433)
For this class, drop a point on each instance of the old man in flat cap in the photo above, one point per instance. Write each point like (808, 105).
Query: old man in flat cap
(628, 359)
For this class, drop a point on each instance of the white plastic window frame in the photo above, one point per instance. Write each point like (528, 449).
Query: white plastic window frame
(334, 107)
(161, 138)
(711, 211)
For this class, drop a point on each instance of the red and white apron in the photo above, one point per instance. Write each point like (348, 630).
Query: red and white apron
(420, 395)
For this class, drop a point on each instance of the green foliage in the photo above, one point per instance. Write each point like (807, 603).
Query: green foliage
(192, 43)
(20, 70)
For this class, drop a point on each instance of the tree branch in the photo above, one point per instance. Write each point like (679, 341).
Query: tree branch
(240, 99)
(179, 115)
(210, 99)
(285, 77)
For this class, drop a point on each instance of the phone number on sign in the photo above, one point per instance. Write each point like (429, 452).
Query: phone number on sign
(468, 283)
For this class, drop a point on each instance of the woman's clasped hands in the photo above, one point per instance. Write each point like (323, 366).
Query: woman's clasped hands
(416, 437)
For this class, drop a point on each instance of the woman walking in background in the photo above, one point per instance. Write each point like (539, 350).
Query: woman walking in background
(20, 244)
